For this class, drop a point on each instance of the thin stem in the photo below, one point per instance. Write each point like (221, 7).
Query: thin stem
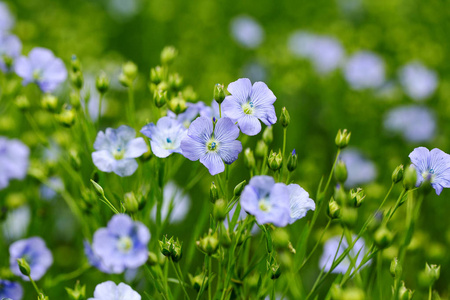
(180, 277)
(100, 100)
(34, 285)
(209, 278)
(131, 105)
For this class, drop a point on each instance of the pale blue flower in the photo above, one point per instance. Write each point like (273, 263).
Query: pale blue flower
(414, 123)
(14, 157)
(41, 67)
(191, 113)
(247, 32)
(6, 18)
(248, 104)
(364, 70)
(299, 202)
(110, 291)
(212, 111)
(418, 82)
(267, 201)
(117, 150)
(10, 47)
(360, 170)
(16, 224)
(212, 144)
(10, 290)
(50, 191)
(330, 248)
(122, 244)
(95, 260)
(35, 252)
(432, 165)
(165, 136)
(175, 204)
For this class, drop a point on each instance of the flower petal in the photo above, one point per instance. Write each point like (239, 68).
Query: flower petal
(103, 160)
(213, 162)
(232, 109)
(240, 89)
(249, 125)
(229, 151)
(192, 149)
(201, 129)
(135, 148)
(125, 167)
(261, 94)
(226, 130)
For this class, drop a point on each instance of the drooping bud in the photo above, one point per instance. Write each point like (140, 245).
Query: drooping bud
(292, 161)
(130, 202)
(49, 102)
(78, 293)
(397, 175)
(396, 268)
(67, 116)
(383, 237)
(249, 159)
(219, 93)
(409, 178)
(357, 197)
(340, 172)
(220, 209)
(213, 193)
(160, 98)
(24, 267)
(333, 209)
(22, 102)
(285, 119)
(157, 74)
(268, 135)
(275, 161)
(342, 138)
(261, 149)
(102, 83)
(168, 55)
(239, 188)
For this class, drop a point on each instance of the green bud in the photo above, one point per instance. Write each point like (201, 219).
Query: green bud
(67, 116)
(177, 104)
(220, 209)
(353, 293)
(383, 237)
(98, 188)
(175, 81)
(22, 103)
(333, 210)
(78, 293)
(75, 64)
(130, 202)
(152, 259)
(397, 175)
(275, 161)
(261, 149)
(434, 271)
(168, 55)
(219, 93)
(160, 98)
(102, 83)
(157, 74)
(404, 293)
(225, 237)
(75, 99)
(292, 161)
(239, 188)
(198, 281)
(395, 269)
(285, 119)
(176, 251)
(340, 172)
(77, 79)
(274, 269)
(49, 102)
(24, 267)
(130, 70)
(268, 135)
(189, 94)
(209, 243)
(165, 245)
(349, 216)
(342, 138)
(409, 178)
(213, 193)
(357, 197)
(249, 159)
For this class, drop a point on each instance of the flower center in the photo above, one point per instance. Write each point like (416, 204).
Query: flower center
(264, 205)
(125, 244)
(119, 153)
(428, 175)
(212, 145)
(37, 74)
(248, 108)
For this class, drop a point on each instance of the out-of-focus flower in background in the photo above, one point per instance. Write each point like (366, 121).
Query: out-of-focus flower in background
(360, 170)
(13, 160)
(418, 82)
(6, 18)
(10, 50)
(414, 123)
(176, 204)
(110, 291)
(10, 290)
(364, 70)
(247, 32)
(15, 226)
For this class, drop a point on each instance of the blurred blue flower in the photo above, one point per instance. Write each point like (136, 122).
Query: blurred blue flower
(117, 150)
(10, 47)
(10, 290)
(175, 204)
(110, 291)
(35, 252)
(330, 248)
(212, 111)
(192, 111)
(41, 67)
(212, 145)
(254, 71)
(364, 70)
(95, 260)
(414, 123)
(299, 202)
(418, 82)
(247, 32)
(248, 104)
(360, 170)
(49, 192)
(13, 160)
(122, 244)
(16, 224)
(432, 165)
(267, 201)
(6, 19)
(165, 136)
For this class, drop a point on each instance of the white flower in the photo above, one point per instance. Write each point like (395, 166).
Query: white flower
(110, 291)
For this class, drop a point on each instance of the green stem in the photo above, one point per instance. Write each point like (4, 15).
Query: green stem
(34, 285)
(209, 278)
(131, 105)
(68, 276)
(179, 276)
(100, 100)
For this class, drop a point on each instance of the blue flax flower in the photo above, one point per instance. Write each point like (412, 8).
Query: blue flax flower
(10, 290)
(110, 291)
(299, 202)
(432, 165)
(10, 48)
(94, 260)
(212, 144)
(176, 204)
(35, 252)
(267, 201)
(165, 136)
(364, 70)
(122, 244)
(13, 160)
(41, 67)
(6, 19)
(248, 104)
(117, 150)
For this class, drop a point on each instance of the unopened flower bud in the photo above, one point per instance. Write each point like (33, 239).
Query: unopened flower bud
(292, 161)
(342, 138)
(198, 281)
(176, 252)
(78, 293)
(130, 70)
(24, 267)
(49, 102)
(225, 237)
(165, 245)
(67, 116)
(160, 98)
(102, 83)
(98, 188)
(261, 149)
(268, 135)
(383, 237)
(434, 271)
(404, 293)
(275, 161)
(22, 102)
(175, 81)
(220, 209)
(249, 159)
(130, 202)
(157, 74)
(75, 64)
(177, 104)
(395, 268)
(168, 55)
(340, 172)
(285, 119)
(77, 79)
(213, 193)
(219, 93)
(239, 188)
(409, 178)
(397, 175)
(41, 296)
(357, 197)
(75, 100)
(209, 243)
(333, 210)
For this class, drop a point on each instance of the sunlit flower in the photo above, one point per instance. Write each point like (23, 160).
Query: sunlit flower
(35, 252)
(10, 290)
(432, 165)
(248, 104)
(267, 201)
(10, 49)
(212, 144)
(165, 136)
(299, 202)
(360, 170)
(110, 291)
(247, 32)
(418, 81)
(13, 160)
(364, 70)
